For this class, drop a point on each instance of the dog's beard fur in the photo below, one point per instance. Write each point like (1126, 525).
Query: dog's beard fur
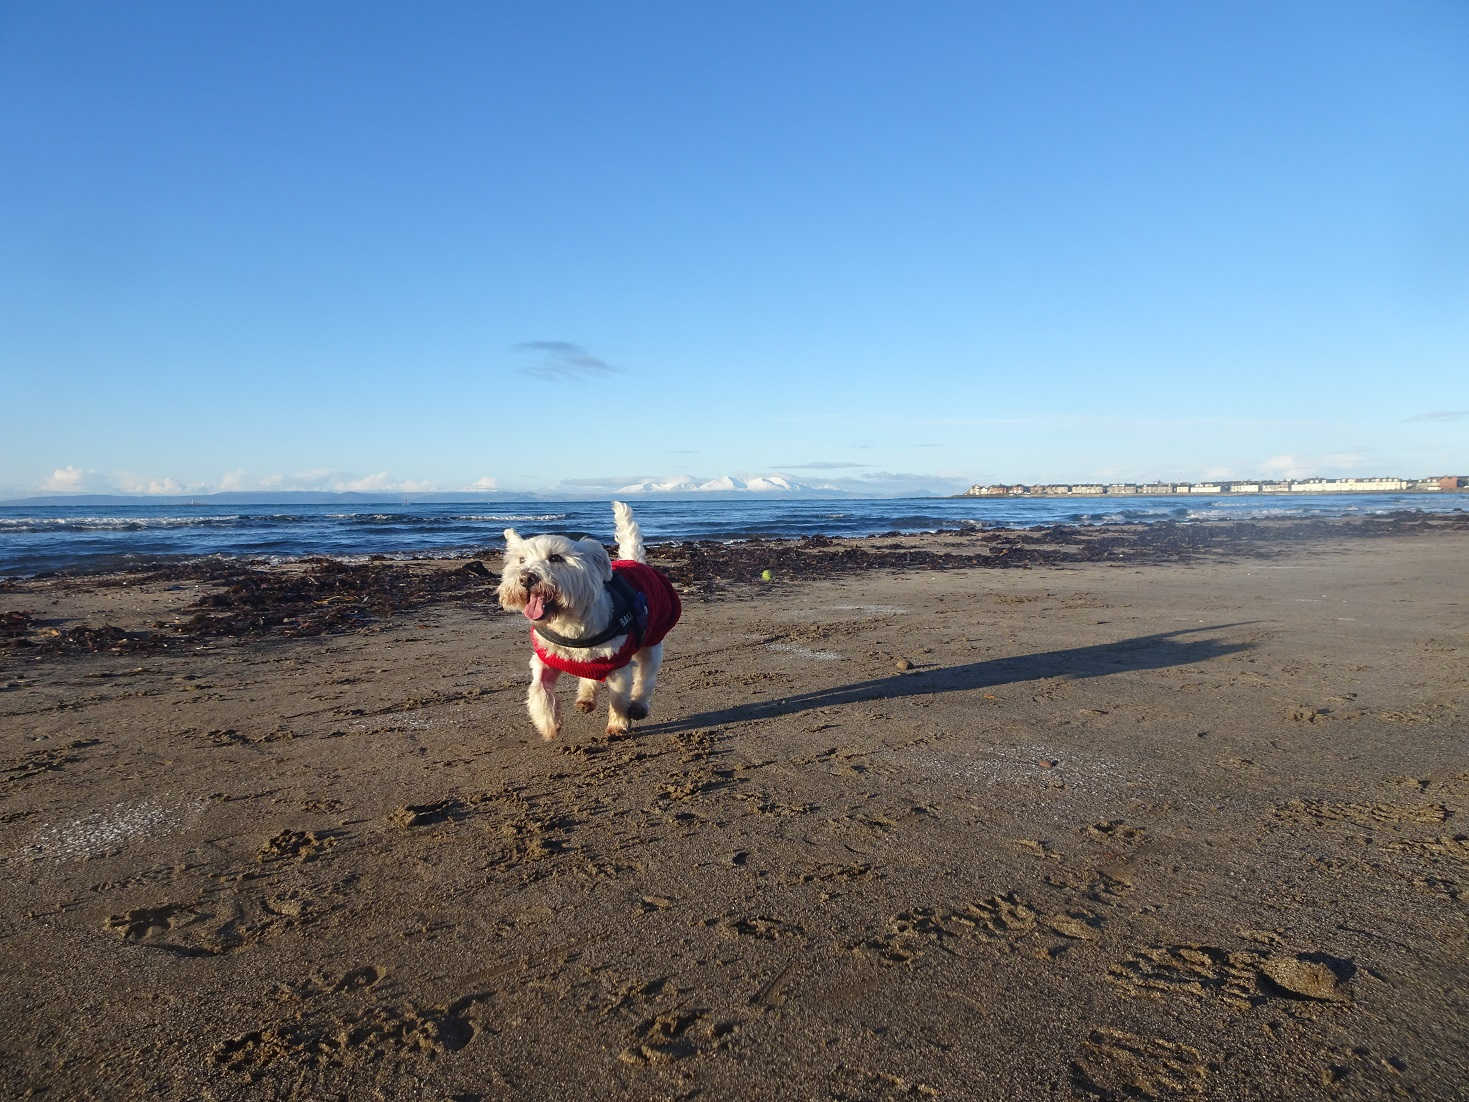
(557, 582)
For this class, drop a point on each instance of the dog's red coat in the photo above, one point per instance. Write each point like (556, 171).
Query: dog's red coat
(664, 610)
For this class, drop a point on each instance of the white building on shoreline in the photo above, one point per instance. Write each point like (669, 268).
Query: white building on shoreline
(1376, 485)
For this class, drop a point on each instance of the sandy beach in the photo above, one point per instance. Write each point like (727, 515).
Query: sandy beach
(1165, 812)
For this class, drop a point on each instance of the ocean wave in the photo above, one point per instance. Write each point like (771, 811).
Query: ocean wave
(915, 523)
(429, 520)
(1282, 510)
(134, 524)
(433, 554)
(1128, 516)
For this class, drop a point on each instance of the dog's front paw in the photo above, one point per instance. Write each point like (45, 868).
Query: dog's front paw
(637, 711)
(617, 730)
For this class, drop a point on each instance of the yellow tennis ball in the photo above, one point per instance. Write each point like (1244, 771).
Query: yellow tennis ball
(766, 576)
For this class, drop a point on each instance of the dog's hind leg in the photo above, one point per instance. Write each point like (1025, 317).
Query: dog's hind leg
(645, 666)
(545, 713)
(619, 687)
(586, 694)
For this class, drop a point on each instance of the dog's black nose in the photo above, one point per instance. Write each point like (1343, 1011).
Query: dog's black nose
(529, 580)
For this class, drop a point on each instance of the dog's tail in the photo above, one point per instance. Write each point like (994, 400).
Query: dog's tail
(629, 535)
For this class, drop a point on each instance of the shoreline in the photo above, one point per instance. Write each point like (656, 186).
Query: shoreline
(46, 559)
(1179, 813)
(242, 599)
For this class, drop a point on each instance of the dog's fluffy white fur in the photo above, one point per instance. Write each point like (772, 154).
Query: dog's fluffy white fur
(565, 582)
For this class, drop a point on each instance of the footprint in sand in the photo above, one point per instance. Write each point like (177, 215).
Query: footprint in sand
(1116, 1064)
(1240, 979)
(144, 923)
(297, 845)
(379, 1033)
(676, 1035)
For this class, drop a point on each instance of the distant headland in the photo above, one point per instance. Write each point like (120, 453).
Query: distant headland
(1431, 485)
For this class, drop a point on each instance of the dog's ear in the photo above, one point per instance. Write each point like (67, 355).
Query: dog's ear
(597, 555)
(512, 537)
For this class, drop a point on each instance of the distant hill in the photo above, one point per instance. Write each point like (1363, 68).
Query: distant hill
(729, 484)
(281, 497)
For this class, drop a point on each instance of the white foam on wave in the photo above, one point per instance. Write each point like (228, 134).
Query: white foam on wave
(1289, 512)
(117, 524)
(431, 554)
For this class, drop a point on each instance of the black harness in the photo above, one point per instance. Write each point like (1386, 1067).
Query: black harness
(625, 618)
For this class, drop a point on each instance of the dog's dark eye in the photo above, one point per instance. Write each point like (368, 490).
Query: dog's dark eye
(554, 558)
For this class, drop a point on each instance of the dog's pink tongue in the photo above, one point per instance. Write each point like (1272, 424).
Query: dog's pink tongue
(535, 606)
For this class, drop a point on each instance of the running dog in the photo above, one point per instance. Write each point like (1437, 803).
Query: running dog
(591, 616)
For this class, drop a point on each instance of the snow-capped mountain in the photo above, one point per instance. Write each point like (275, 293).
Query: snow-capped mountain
(725, 484)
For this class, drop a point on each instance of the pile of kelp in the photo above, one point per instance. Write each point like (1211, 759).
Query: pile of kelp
(325, 596)
(701, 568)
(317, 597)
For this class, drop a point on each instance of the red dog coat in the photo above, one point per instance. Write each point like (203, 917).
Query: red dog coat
(662, 612)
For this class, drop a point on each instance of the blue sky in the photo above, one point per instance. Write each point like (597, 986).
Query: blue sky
(567, 246)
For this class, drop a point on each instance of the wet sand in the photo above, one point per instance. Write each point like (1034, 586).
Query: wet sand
(1175, 812)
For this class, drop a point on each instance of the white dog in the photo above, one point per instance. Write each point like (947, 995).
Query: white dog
(592, 617)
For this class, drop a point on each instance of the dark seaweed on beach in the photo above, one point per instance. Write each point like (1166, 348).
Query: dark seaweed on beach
(325, 596)
(703, 567)
(83, 639)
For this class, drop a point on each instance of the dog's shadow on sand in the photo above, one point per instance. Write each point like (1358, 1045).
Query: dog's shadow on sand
(1143, 652)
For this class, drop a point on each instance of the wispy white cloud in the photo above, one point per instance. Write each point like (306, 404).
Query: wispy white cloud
(1327, 465)
(1285, 466)
(76, 480)
(1441, 415)
(599, 484)
(901, 484)
(485, 482)
(65, 480)
(72, 479)
(328, 480)
(382, 481)
(135, 484)
(561, 361)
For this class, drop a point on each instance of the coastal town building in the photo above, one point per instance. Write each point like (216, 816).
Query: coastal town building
(1375, 485)
(1348, 485)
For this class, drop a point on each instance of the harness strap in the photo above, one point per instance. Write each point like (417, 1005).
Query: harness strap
(624, 619)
